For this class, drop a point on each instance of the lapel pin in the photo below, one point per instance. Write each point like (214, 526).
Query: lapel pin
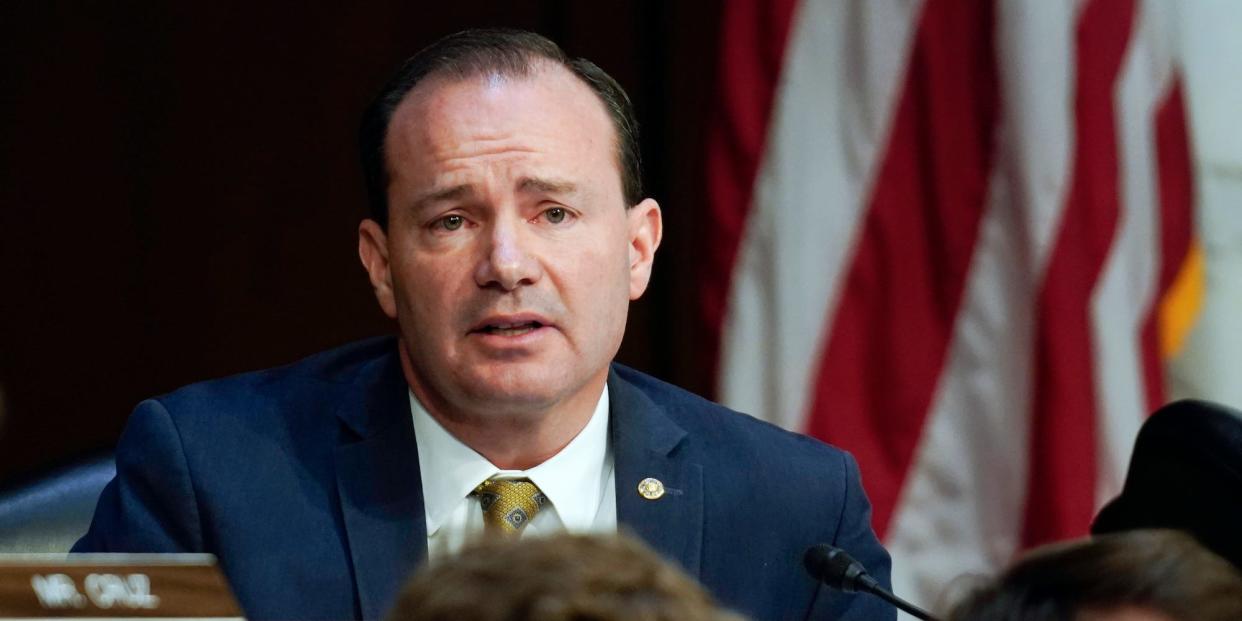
(651, 489)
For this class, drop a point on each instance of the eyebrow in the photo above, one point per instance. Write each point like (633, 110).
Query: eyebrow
(547, 186)
(456, 192)
(525, 184)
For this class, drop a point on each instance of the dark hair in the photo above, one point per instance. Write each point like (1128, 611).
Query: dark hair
(1185, 473)
(1164, 571)
(558, 578)
(510, 53)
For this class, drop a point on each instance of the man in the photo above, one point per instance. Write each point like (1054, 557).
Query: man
(508, 236)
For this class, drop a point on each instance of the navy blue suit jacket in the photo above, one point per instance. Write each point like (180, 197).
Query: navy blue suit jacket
(304, 481)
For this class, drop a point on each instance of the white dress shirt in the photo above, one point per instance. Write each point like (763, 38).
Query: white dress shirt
(579, 482)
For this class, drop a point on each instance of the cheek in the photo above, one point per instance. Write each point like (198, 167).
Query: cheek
(426, 288)
(603, 276)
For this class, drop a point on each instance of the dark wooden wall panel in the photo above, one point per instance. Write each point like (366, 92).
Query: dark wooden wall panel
(179, 190)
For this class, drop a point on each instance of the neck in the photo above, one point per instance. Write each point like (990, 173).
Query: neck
(510, 438)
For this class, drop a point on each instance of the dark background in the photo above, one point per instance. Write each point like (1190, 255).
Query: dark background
(179, 189)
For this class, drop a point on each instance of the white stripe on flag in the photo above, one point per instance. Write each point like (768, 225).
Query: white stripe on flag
(1128, 284)
(843, 66)
(962, 504)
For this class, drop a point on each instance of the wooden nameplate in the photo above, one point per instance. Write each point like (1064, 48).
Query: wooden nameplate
(111, 586)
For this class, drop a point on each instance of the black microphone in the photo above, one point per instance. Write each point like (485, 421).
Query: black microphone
(832, 566)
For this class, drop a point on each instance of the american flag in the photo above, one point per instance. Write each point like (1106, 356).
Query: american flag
(954, 237)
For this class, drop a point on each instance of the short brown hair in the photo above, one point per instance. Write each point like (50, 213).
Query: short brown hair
(559, 578)
(505, 52)
(1164, 571)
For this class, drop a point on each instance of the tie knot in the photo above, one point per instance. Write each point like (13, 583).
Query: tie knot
(508, 504)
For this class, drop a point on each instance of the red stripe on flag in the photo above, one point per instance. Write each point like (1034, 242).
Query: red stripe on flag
(898, 302)
(1176, 187)
(752, 52)
(1061, 488)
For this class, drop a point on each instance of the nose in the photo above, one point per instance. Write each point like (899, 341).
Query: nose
(509, 262)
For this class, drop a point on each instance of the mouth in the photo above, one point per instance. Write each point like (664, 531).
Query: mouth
(510, 326)
(510, 329)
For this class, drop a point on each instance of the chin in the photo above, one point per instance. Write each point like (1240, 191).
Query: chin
(521, 387)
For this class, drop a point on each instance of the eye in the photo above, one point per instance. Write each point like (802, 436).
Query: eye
(555, 215)
(450, 222)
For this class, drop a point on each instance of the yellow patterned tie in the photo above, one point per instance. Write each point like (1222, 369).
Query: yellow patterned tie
(508, 504)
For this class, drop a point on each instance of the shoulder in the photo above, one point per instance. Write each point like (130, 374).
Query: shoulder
(295, 403)
(333, 369)
(220, 432)
(783, 490)
(729, 439)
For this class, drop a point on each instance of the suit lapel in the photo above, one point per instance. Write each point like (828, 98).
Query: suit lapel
(647, 444)
(380, 484)
(380, 487)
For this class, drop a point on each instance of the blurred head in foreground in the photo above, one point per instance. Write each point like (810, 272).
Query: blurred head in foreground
(1142, 575)
(560, 578)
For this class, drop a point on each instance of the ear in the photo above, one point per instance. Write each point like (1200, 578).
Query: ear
(373, 250)
(646, 226)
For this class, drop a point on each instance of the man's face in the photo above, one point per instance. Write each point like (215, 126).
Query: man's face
(510, 258)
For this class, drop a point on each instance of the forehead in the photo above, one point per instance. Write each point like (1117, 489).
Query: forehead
(550, 112)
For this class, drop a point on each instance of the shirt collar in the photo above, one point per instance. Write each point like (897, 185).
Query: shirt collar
(573, 479)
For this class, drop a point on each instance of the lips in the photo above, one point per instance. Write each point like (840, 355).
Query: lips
(510, 325)
(511, 329)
